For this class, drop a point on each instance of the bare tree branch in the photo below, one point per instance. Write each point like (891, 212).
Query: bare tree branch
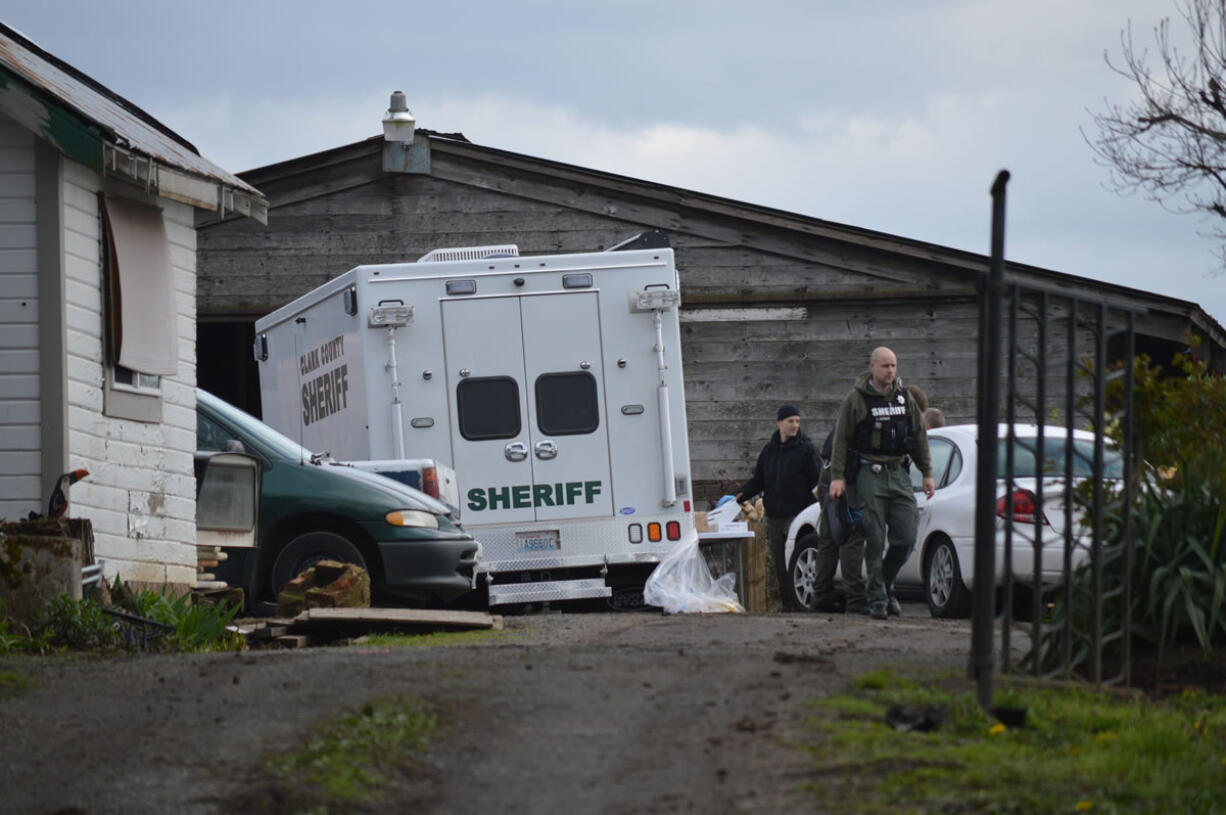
(1169, 143)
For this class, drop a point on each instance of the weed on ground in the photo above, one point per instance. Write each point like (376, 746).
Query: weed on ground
(12, 682)
(348, 764)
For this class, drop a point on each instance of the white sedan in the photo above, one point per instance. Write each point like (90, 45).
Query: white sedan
(942, 565)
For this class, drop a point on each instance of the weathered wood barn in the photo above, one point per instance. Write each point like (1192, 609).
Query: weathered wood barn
(98, 310)
(777, 307)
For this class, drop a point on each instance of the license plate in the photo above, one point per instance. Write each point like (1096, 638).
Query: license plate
(538, 541)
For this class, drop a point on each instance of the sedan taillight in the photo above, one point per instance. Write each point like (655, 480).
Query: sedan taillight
(1024, 508)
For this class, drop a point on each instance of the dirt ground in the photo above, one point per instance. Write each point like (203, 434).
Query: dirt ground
(619, 713)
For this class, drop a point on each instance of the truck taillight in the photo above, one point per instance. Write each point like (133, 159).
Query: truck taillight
(1024, 507)
(429, 482)
(674, 530)
(654, 533)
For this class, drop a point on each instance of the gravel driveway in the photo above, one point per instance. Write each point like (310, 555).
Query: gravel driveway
(630, 712)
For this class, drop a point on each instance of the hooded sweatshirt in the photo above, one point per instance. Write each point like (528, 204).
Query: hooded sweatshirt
(854, 411)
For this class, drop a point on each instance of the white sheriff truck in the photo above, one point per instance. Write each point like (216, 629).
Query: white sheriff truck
(551, 384)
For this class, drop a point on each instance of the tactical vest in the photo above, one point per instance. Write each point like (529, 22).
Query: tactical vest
(884, 432)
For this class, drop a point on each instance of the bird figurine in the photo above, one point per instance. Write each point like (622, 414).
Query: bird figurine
(58, 504)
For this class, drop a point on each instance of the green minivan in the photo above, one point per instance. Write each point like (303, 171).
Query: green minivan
(314, 508)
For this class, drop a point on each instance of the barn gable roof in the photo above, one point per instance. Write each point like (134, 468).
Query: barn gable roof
(759, 227)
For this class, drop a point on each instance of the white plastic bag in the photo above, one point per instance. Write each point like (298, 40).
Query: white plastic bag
(682, 583)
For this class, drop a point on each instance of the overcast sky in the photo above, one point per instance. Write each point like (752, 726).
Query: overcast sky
(893, 115)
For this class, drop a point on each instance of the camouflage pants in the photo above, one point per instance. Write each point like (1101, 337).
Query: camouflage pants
(886, 502)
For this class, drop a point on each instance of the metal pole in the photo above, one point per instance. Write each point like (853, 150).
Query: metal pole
(397, 406)
(1130, 487)
(1070, 422)
(1040, 409)
(663, 410)
(1099, 508)
(1011, 351)
(980, 667)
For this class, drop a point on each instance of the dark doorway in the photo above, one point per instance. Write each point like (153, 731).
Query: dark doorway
(225, 366)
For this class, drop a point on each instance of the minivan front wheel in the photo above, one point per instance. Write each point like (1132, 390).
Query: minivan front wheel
(306, 550)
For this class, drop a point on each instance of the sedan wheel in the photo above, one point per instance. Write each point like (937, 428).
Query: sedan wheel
(803, 573)
(947, 594)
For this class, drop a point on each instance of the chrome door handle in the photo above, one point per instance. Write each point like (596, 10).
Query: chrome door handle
(516, 451)
(546, 449)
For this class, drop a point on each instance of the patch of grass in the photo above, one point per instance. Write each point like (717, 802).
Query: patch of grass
(878, 680)
(354, 759)
(437, 638)
(11, 682)
(1079, 751)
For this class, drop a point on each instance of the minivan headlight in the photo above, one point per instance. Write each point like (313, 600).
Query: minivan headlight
(412, 517)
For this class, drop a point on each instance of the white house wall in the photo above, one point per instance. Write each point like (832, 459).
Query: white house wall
(20, 465)
(140, 492)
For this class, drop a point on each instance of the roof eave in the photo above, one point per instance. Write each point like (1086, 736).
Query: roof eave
(98, 148)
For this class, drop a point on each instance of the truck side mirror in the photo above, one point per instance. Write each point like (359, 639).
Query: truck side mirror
(227, 499)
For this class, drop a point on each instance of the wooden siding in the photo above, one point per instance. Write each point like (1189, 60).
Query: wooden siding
(845, 291)
(140, 494)
(20, 455)
(737, 375)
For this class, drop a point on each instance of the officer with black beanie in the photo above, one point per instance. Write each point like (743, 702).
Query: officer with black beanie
(786, 472)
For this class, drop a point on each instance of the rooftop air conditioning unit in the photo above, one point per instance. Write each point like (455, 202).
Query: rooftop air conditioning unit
(508, 250)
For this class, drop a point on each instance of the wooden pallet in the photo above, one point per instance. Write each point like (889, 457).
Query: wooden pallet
(320, 626)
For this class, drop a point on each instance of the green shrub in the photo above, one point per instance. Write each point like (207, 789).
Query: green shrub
(18, 638)
(1179, 573)
(160, 621)
(197, 626)
(1177, 591)
(78, 624)
(1178, 420)
(1179, 576)
(1177, 512)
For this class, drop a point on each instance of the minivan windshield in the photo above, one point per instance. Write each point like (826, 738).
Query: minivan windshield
(272, 443)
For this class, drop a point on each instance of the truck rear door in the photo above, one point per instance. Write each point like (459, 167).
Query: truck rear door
(530, 440)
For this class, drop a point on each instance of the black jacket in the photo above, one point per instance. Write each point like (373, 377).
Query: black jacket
(785, 474)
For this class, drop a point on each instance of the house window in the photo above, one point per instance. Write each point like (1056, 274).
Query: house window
(130, 380)
(141, 317)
